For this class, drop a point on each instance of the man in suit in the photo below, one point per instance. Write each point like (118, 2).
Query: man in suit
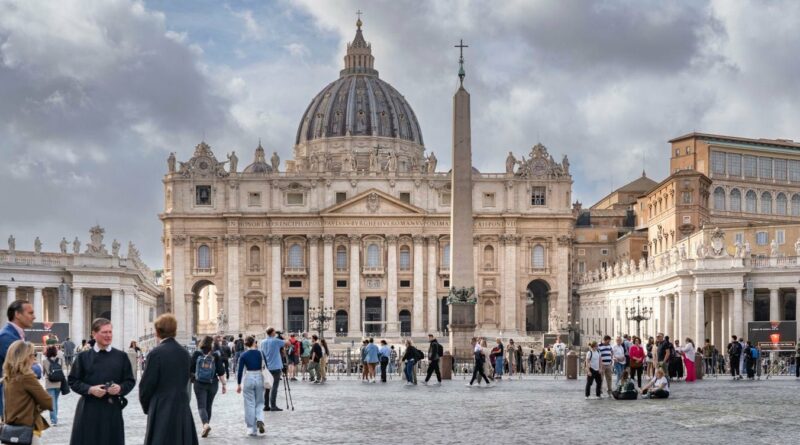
(20, 317)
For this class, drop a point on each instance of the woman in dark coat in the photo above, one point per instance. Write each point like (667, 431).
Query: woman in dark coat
(102, 376)
(163, 391)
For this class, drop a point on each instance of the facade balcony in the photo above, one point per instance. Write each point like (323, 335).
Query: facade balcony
(204, 271)
(377, 271)
(340, 270)
(539, 270)
(294, 271)
(444, 271)
(254, 268)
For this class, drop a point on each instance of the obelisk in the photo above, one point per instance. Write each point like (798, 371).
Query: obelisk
(462, 279)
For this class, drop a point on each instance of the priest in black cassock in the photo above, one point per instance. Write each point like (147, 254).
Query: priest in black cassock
(164, 389)
(102, 376)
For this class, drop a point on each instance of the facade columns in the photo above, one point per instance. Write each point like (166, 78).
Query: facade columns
(313, 273)
(38, 303)
(736, 324)
(354, 324)
(699, 316)
(774, 305)
(390, 304)
(417, 326)
(433, 297)
(77, 328)
(327, 273)
(669, 317)
(509, 318)
(179, 290)
(130, 316)
(232, 286)
(276, 283)
(12, 295)
(117, 320)
(725, 318)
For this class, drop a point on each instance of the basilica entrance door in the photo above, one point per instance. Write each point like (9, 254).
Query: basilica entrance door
(405, 323)
(295, 314)
(537, 309)
(341, 323)
(373, 311)
(444, 317)
(101, 307)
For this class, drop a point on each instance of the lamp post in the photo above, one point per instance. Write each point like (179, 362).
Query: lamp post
(638, 314)
(320, 319)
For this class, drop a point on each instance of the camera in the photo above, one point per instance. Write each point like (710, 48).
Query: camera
(107, 385)
(279, 334)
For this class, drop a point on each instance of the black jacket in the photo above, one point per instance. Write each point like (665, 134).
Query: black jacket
(435, 350)
(164, 395)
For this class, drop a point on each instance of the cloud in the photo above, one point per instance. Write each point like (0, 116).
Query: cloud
(251, 29)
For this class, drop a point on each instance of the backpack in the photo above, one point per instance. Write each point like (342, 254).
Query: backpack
(419, 355)
(754, 353)
(226, 351)
(205, 368)
(549, 356)
(440, 349)
(734, 349)
(302, 348)
(55, 373)
(238, 345)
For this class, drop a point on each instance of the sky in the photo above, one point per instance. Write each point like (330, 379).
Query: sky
(95, 94)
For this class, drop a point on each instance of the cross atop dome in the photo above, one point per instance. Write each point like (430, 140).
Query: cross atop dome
(359, 59)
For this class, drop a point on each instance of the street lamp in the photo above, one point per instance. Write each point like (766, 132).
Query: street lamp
(319, 319)
(638, 314)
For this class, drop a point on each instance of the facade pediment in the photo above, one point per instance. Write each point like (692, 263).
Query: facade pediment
(373, 202)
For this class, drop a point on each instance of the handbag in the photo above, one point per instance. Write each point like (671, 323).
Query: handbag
(16, 434)
(266, 376)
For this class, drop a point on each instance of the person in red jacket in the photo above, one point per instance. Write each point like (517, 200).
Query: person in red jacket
(293, 356)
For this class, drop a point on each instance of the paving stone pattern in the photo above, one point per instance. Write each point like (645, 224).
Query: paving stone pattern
(533, 410)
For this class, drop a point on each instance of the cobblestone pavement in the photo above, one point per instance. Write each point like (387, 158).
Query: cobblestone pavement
(534, 410)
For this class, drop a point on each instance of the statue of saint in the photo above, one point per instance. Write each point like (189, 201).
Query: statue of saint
(565, 165)
(12, 243)
(773, 248)
(63, 245)
(234, 162)
(746, 252)
(171, 163)
(37, 245)
(373, 161)
(312, 164)
(797, 247)
(115, 248)
(76, 246)
(275, 160)
(511, 161)
(432, 161)
(737, 249)
(391, 165)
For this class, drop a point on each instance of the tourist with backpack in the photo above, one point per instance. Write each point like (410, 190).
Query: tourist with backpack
(689, 354)
(550, 361)
(226, 353)
(751, 356)
(207, 373)
(54, 379)
(410, 358)
(435, 352)
(626, 390)
(238, 350)
(305, 355)
(734, 353)
(293, 356)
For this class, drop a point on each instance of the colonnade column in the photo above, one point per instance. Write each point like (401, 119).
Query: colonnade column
(232, 286)
(725, 318)
(327, 276)
(669, 317)
(417, 326)
(391, 286)
(117, 320)
(699, 316)
(354, 324)
(276, 288)
(736, 325)
(76, 329)
(38, 303)
(313, 272)
(12, 295)
(433, 297)
(774, 308)
(797, 309)
(130, 316)
(177, 244)
(510, 284)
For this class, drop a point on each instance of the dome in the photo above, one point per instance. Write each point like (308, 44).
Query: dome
(259, 164)
(359, 103)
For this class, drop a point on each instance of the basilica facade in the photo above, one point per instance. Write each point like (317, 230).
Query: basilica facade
(357, 225)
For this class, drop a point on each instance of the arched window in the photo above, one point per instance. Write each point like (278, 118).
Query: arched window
(446, 256)
(373, 255)
(537, 257)
(488, 257)
(295, 256)
(255, 259)
(405, 258)
(750, 202)
(719, 199)
(781, 204)
(203, 257)
(736, 200)
(341, 258)
(795, 205)
(766, 203)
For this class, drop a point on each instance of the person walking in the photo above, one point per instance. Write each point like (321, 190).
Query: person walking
(410, 358)
(225, 355)
(371, 357)
(69, 352)
(363, 362)
(162, 391)
(251, 362)
(25, 397)
(207, 371)
(393, 368)
(498, 357)
(478, 371)
(238, 349)
(103, 376)
(550, 361)
(305, 355)
(531, 362)
(511, 364)
(559, 348)
(689, 354)
(54, 379)
(606, 361)
(592, 365)
(314, 361)
(734, 353)
(488, 367)
(750, 355)
(638, 359)
(20, 317)
(323, 364)
(619, 358)
(271, 349)
(385, 355)
(435, 352)
(651, 350)
(709, 357)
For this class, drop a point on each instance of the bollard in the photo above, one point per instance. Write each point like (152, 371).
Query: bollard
(699, 369)
(572, 365)
(348, 362)
(446, 364)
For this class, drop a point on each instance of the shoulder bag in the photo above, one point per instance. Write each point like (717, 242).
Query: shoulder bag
(16, 434)
(266, 376)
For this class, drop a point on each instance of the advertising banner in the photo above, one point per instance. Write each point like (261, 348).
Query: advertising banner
(42, 334)
(773, 335)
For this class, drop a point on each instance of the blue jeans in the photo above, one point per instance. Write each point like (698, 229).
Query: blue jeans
(618, 369)
(498, 366)
(54, 393)
(253, 392)
(410, 371)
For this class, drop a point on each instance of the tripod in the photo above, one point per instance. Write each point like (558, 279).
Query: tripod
(287, 390)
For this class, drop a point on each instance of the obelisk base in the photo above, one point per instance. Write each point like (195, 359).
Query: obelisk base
(462, 329)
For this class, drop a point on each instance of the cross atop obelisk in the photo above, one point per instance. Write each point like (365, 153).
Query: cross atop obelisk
(461, 72)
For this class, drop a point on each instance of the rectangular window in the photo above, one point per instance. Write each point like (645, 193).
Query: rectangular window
(794, 171)
(779, 166)
(341, 197)
(734, 164)
(581, 267)
(738, 237)
(341, 283)
(405, 259)
(405, 283)
(488, 199)
(295, 283)
(603, 252)
(254, 199)
(405, 197)
(780, 236)
(444, 199)
(765, 168)
(749, 166)
(538, 195)
(581, 252)
(446, 283)
(761, 238)
(686, 197)
(604, 264)
(718, 162)
(203, 195)
(294, 198)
